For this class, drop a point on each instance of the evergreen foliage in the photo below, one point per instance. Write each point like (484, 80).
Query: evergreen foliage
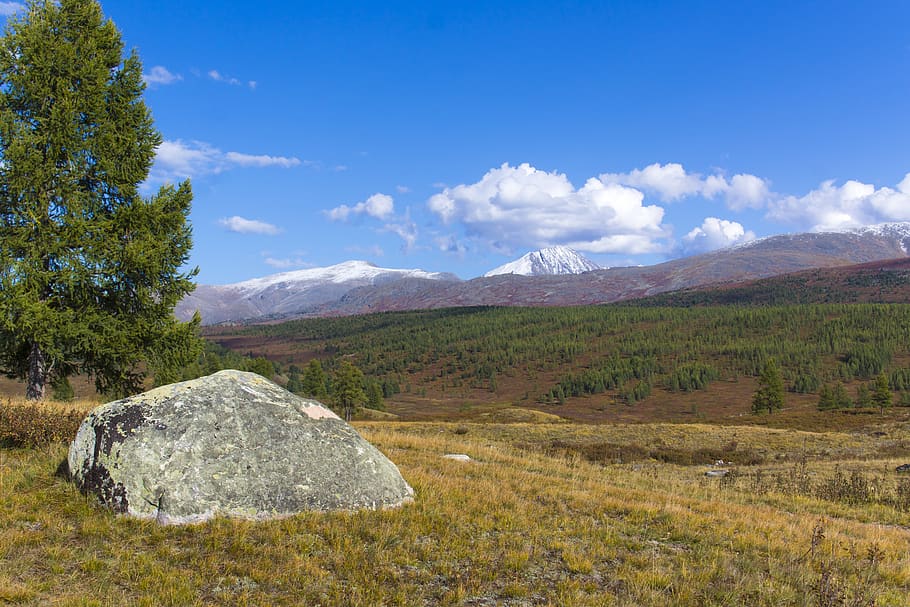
(89, 270)
(882, 397)
(622, 351)
(770, 394)
(347, 388)
(314, 381)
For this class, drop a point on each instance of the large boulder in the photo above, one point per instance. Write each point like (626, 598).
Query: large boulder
(231, 444)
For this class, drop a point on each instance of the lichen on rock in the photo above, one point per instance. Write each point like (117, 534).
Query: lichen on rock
(230, 444)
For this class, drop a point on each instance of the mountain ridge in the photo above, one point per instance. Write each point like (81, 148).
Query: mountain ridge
(398, 290)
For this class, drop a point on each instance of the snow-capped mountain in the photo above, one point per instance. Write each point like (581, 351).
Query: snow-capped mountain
(289, 293)
(899, 231)
(547, 262)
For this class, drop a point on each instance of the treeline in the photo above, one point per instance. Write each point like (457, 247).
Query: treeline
(628, 351)
(338, 383)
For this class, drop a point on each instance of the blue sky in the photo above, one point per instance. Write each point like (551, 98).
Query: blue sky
(455, 136)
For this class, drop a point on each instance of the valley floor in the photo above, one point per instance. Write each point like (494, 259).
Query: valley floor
(543, 514)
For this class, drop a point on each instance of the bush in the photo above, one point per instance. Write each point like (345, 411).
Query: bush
(33, 426)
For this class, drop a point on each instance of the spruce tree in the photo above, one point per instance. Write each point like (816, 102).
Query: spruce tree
(90, 271)
(313, 383)
(347, 388)
(770, 393)
(881, 393)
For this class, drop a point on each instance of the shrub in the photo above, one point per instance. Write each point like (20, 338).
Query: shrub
(28, 425)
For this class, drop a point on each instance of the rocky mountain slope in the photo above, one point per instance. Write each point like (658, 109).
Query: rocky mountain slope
(298, 292)
(545, 262)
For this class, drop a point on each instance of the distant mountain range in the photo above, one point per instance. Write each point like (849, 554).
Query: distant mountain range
(358, 287)
(291, 293)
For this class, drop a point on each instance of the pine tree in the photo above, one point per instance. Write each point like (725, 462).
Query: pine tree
(374, 396)
(89, 270)
(348, 388)
(826, 398)
(881, 393)
(770, 393)
(313, 381)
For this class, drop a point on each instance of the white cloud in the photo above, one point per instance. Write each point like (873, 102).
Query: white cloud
(177, 159)
(402, 189)
(714, 234)
(521, 207)
(373, 251)
(380, 206)
(242, 225)
(405, 229)
(10, 8)
(250, 160)
(285, 263)
(451, 244)
(671, 182)
(161, 75)
(219, 77)
(853, 204)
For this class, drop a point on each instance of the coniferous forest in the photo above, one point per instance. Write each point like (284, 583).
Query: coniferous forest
(625, 352)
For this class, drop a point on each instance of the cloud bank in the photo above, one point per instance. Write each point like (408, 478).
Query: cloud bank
(519, 207)
(670, 182)
(853, 204)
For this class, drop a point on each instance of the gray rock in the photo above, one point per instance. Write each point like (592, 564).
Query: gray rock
(903, 468)
(717, 473)
(230, 444)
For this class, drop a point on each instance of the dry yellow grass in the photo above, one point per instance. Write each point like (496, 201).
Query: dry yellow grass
(513, 527)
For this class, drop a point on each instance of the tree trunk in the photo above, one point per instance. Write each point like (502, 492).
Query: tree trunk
(37, 373)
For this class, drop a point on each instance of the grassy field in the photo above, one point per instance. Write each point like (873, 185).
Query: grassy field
(545, 514)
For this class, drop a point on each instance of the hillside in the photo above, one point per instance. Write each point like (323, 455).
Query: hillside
(604, 363)
(886, 281)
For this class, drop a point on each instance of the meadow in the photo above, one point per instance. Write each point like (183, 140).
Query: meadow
(545, 513)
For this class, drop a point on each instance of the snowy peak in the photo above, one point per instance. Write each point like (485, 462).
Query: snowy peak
(361, 272)
(547, 262)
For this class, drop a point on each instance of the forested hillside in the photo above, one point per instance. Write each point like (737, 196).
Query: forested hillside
(606, 355)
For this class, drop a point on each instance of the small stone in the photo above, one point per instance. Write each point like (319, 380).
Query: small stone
(903, 468)
(720, 473)
(460, 457)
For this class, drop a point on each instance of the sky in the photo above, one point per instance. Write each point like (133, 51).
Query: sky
(457, 136)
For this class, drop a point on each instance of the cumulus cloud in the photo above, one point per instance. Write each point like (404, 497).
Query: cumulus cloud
(10, 8)
(671, 182)
(179, 159)
(517, 207)
(161, 75)
(242, 225)
(380, 206)
(853, 204)
(714, 234)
